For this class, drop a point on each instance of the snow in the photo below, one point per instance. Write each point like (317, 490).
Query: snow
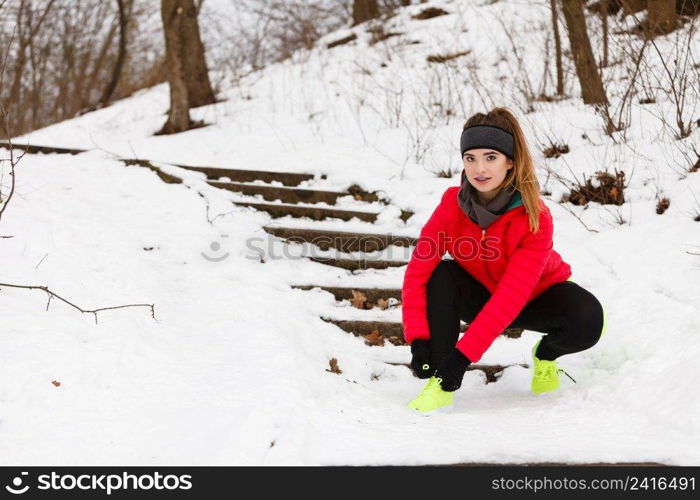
(236, 359)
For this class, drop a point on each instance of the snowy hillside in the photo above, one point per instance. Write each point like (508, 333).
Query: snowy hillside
(233, 369)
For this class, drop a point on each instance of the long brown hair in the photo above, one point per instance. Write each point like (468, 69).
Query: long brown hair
(522, 175)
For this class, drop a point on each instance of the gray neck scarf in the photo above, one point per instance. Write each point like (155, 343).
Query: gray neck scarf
(483, 215)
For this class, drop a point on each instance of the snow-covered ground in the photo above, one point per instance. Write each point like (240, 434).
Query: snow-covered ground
(232, 370)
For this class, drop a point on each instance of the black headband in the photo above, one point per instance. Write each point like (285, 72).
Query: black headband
(487, 136)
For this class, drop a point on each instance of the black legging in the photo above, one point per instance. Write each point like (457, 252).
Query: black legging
(570, 315)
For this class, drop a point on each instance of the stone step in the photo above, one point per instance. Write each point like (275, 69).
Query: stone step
(345, 293)
(285, 195)
(296, 195)
(340, 240)
(492, 372)
(238, 175)
(286, 178)
(316, 213)
(393, 331)
(34, 149)
(167, 178)
(358, 264)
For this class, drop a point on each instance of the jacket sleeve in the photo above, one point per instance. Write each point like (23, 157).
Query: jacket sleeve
(426, 255)
(519, 279)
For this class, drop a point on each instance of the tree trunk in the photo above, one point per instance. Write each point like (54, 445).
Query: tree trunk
(199, 88)
(172, 14)
(116, 73)
(661, 17)
(364, 10)
(591, 84)
(630, 7)
(604, 22)
(557, 48)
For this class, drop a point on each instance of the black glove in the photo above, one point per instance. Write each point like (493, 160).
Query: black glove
(420, 364)
(452, 369)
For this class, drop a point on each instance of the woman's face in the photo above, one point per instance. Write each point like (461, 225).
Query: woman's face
(485, 170)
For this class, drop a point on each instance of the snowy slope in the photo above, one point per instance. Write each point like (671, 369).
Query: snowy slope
(232, 370)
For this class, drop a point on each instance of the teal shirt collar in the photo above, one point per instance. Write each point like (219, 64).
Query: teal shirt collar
(515, 202)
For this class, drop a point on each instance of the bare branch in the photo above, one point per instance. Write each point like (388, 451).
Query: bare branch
(52, 294)
(565, 207)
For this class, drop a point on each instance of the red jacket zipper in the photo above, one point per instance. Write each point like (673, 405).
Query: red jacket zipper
(486, 265)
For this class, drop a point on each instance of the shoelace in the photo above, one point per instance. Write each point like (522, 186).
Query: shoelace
(432, 384)
(548, 371)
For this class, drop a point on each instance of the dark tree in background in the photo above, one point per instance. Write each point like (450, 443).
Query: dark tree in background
(364, 10)
(591, 83)
(557, 47)
(630, 7)
(604, 11)
(199, 89)
(63, 59)
(661, 17)
(186, 66)
(121, 55)
(179, 113)
(28, 25)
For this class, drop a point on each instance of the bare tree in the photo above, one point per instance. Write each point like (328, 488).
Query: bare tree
(604, 6)
(116, 72)
(173, 17)
(591, 83)
(11, 161)
(67, 58)
(679, 79)
(27, 27)
(557, 47)
(187, 68)
(364, 10)
(199, 91)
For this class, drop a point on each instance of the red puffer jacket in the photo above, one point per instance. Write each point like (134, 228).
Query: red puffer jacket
(514, 264)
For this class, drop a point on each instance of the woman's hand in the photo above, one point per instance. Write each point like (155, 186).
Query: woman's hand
(420, 364)
(452, 369)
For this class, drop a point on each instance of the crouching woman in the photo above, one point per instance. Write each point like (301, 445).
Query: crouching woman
(504, 272)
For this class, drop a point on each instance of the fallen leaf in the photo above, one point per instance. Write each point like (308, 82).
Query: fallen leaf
(56, 383)
(382, 303)
(374, 338)
(333, 362)
(396, 340)
(358, 299)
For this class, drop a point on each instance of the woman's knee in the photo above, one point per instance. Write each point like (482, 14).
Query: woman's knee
(586, 319)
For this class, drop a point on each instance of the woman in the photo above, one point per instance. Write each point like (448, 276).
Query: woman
(504, 272)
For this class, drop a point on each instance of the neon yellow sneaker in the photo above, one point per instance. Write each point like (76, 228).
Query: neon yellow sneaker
(432, 398)
(545, 374)
(605, 323)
